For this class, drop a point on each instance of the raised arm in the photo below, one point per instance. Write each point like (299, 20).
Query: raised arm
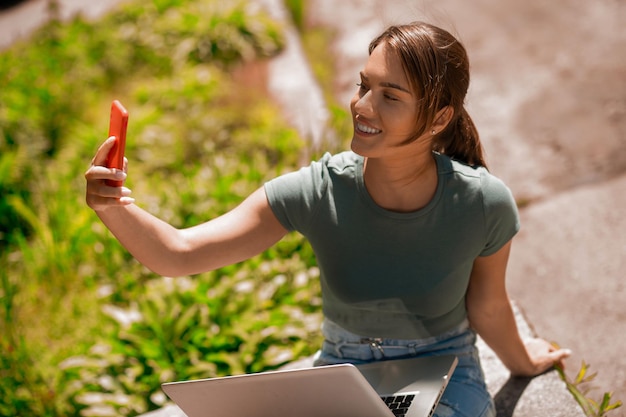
(490, 314)
(243, 232)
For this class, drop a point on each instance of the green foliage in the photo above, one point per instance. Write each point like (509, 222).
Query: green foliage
(580, 391)
(52, 82)
(17, 384)
(187, 329)
(198, 142)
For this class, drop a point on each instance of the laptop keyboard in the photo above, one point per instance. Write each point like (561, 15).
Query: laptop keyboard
(399, 404)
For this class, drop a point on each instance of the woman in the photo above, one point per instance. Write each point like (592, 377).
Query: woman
(411, 233)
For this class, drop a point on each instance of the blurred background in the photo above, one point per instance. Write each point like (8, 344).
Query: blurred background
(225, 95)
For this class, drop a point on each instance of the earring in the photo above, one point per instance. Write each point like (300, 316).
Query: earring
(434, 132)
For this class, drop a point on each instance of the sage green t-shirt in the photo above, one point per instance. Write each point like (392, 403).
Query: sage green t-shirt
(388, 274)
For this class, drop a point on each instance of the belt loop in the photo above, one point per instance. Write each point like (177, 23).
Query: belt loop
(337, 347)
(375, 345)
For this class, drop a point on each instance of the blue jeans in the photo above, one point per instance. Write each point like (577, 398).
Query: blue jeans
(466, 394)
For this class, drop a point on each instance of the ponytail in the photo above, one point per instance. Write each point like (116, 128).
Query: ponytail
(460, 141)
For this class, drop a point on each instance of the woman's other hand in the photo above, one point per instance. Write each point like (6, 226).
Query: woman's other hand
(544, 355)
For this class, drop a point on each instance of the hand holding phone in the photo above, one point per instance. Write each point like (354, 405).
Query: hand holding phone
(117, 127)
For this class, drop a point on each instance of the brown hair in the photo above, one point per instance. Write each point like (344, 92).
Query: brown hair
(437, 67)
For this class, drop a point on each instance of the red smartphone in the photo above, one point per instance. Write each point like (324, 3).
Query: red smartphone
(117, 127)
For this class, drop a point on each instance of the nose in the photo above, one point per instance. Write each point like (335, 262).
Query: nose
(363, 104)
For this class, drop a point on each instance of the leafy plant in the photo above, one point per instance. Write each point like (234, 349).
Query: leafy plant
(579, 390)
(197, 328)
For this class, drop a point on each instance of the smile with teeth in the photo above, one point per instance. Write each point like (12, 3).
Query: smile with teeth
(367, 129)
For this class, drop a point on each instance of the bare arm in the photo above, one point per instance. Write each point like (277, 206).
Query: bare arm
(237, 235)
(490, 314)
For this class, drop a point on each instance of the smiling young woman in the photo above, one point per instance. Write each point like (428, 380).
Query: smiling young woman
(411, 232)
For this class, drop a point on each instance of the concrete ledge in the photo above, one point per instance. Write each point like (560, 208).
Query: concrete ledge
(545, 395)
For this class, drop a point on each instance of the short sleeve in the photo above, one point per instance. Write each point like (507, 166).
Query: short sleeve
(501, 214)
(294, 197)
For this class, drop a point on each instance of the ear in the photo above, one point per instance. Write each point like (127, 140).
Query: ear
(442, 118)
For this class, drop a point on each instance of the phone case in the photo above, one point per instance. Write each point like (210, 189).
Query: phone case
(117, 127)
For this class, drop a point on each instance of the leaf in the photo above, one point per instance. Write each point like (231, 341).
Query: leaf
(182, 324)
(613, 406)
(581, 373)
(605, 403)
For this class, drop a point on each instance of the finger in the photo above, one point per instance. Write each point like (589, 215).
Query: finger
(96, 177)
(559, 351)
(126, 201)
(560, 355)
(103, 152)
(98, 202)
(99, 172)
(556, 357)
(99, 195)
(109, 192)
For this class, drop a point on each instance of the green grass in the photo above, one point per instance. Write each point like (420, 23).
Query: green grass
(198, 143)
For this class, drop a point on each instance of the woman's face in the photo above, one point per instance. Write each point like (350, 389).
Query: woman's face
(384, 109)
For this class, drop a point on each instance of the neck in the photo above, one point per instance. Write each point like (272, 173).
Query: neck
(404, 184)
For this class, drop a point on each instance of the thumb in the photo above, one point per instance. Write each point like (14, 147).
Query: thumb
(102, 154)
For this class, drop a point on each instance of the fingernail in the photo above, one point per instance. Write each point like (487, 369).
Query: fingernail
(120, 174)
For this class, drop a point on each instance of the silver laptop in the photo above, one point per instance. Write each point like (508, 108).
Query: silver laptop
(402, 387)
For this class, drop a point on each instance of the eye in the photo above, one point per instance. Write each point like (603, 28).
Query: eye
(363, 89)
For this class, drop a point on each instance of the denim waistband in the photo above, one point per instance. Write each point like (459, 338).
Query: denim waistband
(466, 393)
(344, 344)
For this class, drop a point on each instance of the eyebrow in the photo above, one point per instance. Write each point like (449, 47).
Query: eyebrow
(388, 84)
